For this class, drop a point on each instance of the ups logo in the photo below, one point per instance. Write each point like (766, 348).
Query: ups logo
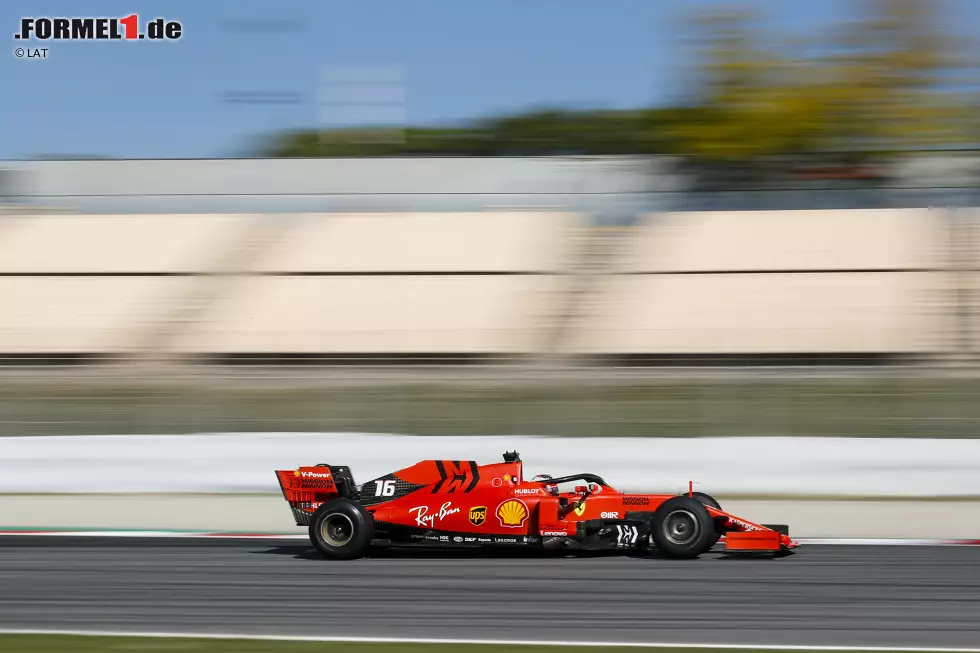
(478, 515)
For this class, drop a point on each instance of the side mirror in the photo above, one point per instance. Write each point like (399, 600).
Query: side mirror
(581, 489)
(593, 487)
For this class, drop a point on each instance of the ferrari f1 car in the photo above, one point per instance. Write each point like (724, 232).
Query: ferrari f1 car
(452, 503)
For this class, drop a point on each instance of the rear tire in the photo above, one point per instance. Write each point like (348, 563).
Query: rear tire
(341, 530)
(682, 528)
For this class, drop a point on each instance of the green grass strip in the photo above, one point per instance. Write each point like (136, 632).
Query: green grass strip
(860, 407)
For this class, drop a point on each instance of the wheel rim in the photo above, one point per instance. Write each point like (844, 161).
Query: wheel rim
(337, 529)
(681, 527)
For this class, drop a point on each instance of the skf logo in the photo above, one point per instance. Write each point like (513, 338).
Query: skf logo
(512, 513)
(98, 29)
(580, 509)
(478, 515)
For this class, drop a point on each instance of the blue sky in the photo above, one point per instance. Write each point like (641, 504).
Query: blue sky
(461, 59)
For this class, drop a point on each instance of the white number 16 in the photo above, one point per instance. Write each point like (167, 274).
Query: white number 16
(385, 489)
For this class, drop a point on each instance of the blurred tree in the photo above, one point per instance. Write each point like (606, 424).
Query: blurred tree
(883, 82)
(539, 133)
(753, 100)
(895, 76)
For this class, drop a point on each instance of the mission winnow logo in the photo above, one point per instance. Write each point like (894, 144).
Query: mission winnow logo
(127, 28)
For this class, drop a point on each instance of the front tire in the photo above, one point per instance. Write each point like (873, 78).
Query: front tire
(341, 530)
(682, 528)
(709, 500)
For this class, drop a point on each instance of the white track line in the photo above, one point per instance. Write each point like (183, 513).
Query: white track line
(491, 642)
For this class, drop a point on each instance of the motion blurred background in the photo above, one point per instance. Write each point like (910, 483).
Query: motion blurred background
(564, 218)
(733, 243)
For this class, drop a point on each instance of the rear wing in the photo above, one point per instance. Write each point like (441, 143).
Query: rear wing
(307, 488)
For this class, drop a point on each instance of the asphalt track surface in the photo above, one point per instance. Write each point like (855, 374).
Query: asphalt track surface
(821, 595)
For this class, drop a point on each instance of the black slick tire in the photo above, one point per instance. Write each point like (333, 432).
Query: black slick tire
(682, 528)
(341, 530)
(709, 500)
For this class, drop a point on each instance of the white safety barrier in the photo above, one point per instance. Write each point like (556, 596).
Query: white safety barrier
(237, 463)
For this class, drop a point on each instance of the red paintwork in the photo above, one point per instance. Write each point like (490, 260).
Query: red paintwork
(748, 541)
(513, 506)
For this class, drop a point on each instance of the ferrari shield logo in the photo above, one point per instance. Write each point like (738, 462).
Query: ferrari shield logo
(580, 509)
(478, 515)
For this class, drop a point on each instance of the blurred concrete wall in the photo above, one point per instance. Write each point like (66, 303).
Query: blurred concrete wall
(775, 282)
(492, 283)
(345, 284)
(609, 188)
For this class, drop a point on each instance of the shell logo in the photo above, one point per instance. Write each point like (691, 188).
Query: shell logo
(512, 513)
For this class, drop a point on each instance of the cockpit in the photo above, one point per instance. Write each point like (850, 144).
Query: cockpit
(594, 481)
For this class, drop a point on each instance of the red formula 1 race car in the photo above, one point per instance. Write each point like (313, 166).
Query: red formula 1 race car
(452, 503)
